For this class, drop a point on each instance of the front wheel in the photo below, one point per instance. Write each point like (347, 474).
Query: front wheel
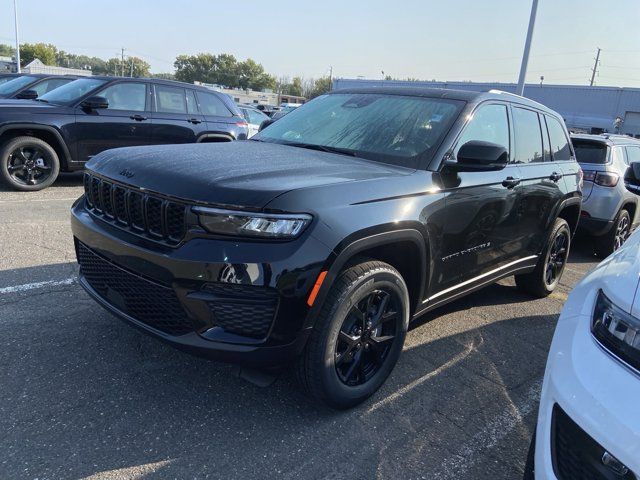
(545, 277)
(358, 335)
(28, 164)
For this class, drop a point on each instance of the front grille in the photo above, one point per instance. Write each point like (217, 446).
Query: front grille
(577, 456)
(149, 302)
(243, 309)
(143, 213)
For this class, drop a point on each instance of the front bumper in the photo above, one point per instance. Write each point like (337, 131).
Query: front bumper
(199, 295)
(595, 390)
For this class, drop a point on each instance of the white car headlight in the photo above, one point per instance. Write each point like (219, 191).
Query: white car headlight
(247, 224)
(617, 330)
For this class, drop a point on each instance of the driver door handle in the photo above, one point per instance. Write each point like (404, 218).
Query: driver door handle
(555, 176)
(138, 118)
(511, 182)
(195, 121)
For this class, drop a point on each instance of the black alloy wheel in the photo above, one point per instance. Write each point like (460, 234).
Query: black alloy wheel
(366, 337)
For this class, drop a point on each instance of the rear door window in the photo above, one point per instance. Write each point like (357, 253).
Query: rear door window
(170, 99)
(528, 136)
(560, 149)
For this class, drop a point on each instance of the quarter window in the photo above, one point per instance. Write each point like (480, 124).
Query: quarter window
(528, 136)
(212, 105)
(170, 99)
(560, 148)
(490, 123)
(126, 96)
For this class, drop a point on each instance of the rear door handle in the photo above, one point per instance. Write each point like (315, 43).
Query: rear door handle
(138, 118)
(555, 176)
(195, 121)
(511, 182)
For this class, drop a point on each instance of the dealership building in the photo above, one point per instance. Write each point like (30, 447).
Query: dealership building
(584, 108)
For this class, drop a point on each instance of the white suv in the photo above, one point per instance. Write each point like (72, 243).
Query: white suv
(589, 418)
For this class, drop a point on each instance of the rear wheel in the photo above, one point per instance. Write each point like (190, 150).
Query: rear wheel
(546, 276)
(358, 335)
(28, 164)
(612, 241)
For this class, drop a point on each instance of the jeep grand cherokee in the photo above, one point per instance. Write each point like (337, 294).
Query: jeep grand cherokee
(320, 240)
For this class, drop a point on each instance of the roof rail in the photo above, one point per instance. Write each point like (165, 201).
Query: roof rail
(502, 92)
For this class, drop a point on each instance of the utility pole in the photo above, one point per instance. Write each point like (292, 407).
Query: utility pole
(594, 70)
(527, 48)
(131, 67)
(330, 77)
(15, 18)
(122, 64)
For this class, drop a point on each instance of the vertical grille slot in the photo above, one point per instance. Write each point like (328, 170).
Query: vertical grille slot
(128, 208)
(154, 216)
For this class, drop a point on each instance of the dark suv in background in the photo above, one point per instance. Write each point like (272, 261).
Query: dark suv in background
(320, 239)
(30, 87)
(64, 128)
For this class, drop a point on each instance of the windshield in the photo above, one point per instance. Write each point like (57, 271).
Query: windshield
(590, 152)
(387, 128)
(72, 91)
(6, 79)
(12, 86)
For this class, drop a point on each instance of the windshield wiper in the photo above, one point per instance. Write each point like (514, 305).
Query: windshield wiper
(323, 148)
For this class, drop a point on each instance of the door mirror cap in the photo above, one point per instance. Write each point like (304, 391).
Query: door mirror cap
(479, 156)
(27, 95)
(265, 124)
(632, 178)
(95, 103)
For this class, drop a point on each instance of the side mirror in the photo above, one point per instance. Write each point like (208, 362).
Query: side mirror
(27, 95)
(632, 178)
(95, 103)
(479, 156)
(265, 124)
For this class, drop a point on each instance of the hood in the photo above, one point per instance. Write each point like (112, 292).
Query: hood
(241, 173)
(8, 106)
(622, 276)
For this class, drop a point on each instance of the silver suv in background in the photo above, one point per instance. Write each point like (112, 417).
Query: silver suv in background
(609, 209)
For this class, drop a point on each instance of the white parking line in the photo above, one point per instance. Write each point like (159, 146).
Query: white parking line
(31, 286)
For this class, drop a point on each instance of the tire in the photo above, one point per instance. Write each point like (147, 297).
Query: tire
(606, 244)
(553, 259)
(336, 372)
(36, 167)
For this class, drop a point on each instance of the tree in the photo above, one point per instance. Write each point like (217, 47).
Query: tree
(320, 87)
(45, 52)
(293, 88)
(252, 75)
(6, 50)
(190, 68)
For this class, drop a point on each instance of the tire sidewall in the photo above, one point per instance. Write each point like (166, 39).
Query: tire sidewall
(614, 230)
(558, 227)
(354, 292)
(26, 141)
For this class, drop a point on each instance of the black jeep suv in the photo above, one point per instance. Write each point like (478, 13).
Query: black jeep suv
(322, 238)
(64, 128)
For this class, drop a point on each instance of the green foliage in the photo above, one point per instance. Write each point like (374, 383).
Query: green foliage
(320, 87)
(223, 69)
(45, 52)
(6, 50)
(115, 66)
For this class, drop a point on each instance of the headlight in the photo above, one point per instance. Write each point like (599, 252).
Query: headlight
(247, 224)
(617, 330)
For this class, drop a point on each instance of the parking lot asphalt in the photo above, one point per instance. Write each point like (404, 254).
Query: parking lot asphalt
(82, 395)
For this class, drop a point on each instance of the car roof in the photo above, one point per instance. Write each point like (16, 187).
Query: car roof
(159, 81)
(607, 138)
(464, 95)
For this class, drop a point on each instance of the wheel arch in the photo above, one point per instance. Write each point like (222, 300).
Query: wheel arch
(215, 137)
(569, 210)
(43, 132)
(405, 250)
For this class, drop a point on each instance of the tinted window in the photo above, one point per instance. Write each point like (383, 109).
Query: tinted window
(126, 96)
(73, 91)
(256, 117)
(590, 152)
(633, 154)
(170, 99)
(490, 123)
(560, 148)
(528, 136)
(387, 128)
(192, 104)
(49, 85)
(12, 86)
(212, 105)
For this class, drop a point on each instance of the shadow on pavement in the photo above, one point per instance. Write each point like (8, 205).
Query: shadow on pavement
(82, 393)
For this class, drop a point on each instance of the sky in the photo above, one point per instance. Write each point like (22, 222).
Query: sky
(477, 40)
